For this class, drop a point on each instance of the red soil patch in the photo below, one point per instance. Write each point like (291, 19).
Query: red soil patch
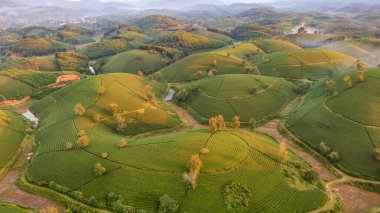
(9, 192)
(357, 200)
(62, 78)
(13, 102)
(374, 40)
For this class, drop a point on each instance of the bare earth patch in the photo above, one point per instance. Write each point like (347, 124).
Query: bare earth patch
(356, 200)
(9, 192)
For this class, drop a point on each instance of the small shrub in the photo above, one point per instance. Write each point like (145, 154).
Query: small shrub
(79, 109)
(96, 117)
(104, 155)
(311, 175)
(167, 204)
(253, 90)
(376, 153)
(204, 151)
(69, 145)
(333, 157)
(236, 197)
(122, 143)
(99, 169)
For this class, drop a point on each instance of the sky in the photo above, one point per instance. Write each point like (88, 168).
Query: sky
(224, 1)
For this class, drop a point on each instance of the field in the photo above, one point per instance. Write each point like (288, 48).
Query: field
(364, 49)
(11, 134)
(230, 95)
(46, 63)
(186, 68)
(13, 89)
(123, 89)
(307, 63)
(347, 122)
(146, 169)
(213, 35)
(135, 60)
(12, 208)
(274, 45)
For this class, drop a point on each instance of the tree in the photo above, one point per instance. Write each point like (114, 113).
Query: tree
(324, 148)
(253, 90)
(69, 145)
(96, 117)
(50, 209)
(228, 54)
(121, 122)
(283, 151)
(205, 151)
(330, 86)
(83, 141)
(79, 109)
(252, 122)
(311, 175)
(113, 108)
(182, 95)
(334, 157)
(199, 74)
(301, 30)
(376, 152)
(347, 81)
(213, 122)
(236, 122)
(167, 204)
(215, 64)
(244, 62)
(360, 64)
(149, 94)
(220, 122)
(361, 76)
(194, 167)
(140, 73)
(102, 89)
(122, 143)
(99, 169)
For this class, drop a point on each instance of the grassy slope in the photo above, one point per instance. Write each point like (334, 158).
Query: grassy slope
(184, 69)
(11, 134)
(13, 89)
(146, 170)
(229, 95)
(47, 63)
(12, 208)
(308, 63)
(348, 124)
(213, 35)
(133, 61)
(364, 49)
(273, 45)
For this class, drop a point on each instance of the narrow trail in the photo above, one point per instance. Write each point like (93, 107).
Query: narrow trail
(191, 122)
(10, 192)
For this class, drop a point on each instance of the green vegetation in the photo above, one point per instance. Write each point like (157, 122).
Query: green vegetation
(189, 42)
(229, 60)
(11, 134)
(232, 95)
(143, 175)
(46, 63)
(308, 40)
(135, 60)
(213, 35)
(107, 47)
(13, 89)
(274, 45)
(33, 46)
(70, 61)
(12, 208)
(346, 121)
(307, 63)
(35, 79)
(158, 22)
(73, 38)
(364, 49)
(250, 31)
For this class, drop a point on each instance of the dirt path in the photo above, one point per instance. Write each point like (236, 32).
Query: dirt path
(356, 200)
(9, 192)
(270, 128)
(191, 122)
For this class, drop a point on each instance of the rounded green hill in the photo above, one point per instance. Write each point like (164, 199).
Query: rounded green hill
(307, 63)
(347, 122)
(135, 60)
(233, 95)
(275, 45)
(148, 168)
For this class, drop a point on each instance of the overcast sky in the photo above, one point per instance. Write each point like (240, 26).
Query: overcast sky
(225, 1)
